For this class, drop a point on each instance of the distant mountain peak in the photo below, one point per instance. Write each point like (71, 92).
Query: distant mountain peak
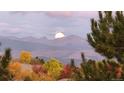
(66, 47)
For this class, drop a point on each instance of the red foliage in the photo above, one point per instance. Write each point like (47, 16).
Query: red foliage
(118, 72)
(66, 72)
(109, 67)
(37, 68)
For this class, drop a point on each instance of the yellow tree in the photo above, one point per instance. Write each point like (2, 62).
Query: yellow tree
(25, 56)
(54, 68)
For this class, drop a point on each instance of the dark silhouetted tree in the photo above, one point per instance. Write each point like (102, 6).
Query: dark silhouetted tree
(72, 63)
(83, 57)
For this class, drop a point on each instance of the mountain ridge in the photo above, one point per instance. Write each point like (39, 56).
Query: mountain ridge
(64, 48)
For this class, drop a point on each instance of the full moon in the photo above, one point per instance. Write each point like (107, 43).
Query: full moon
(59, 35)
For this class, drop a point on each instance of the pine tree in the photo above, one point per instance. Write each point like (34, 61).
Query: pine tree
(83, 57)
(4, 62)
(72, 63)
(6, 58)
(107, 36)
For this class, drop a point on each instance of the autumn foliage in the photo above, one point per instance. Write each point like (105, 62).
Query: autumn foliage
(66, 72)
(25, 56)
(54, 68)
(14, 68)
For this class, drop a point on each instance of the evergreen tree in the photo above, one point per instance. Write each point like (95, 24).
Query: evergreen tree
(107, 36)
(4, 62)
(83, 57)
(72, 64)
(6, 58)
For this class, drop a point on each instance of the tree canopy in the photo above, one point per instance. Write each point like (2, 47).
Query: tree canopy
(107, 36)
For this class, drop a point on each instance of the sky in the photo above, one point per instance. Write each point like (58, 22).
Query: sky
(45, 24)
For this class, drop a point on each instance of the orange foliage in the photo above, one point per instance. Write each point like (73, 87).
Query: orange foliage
(22, 75)
(18, 73)
(14, 67)
(43, 76)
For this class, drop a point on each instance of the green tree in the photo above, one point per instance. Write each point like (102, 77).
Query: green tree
(4, 62)
(107, 36)
(6, 58)
(72, 63)
(83, 57)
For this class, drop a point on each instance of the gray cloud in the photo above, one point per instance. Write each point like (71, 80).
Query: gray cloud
(40, 24)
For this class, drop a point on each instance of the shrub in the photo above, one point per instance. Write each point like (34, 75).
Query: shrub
(23, 75)
(66, 72)
(38, 69)
(38, 77)
(14, 68)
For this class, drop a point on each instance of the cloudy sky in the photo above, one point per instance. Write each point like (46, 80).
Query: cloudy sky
(40, 24)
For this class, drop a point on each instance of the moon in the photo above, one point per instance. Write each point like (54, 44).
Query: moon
(59, 35)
